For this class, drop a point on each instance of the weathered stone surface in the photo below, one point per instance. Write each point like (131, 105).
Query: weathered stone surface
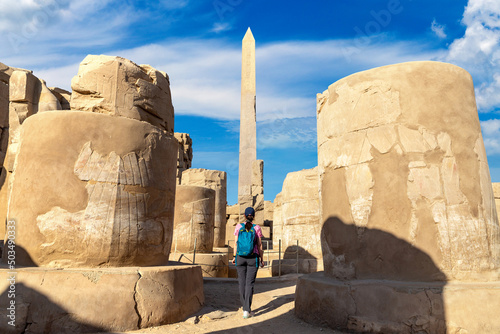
(408, 210)
(258, 191)
(63, 96)
(99, 300)
(118, 87)
(232, 219)
(101, 191)
(212, 264)
(194, 219)
(185, 155)
(390, 159)
(398, 307)
(278, 220)
(496, 192)
(299, 204)
(216, 180)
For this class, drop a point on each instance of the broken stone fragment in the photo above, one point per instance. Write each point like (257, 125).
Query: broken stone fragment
(118, 87)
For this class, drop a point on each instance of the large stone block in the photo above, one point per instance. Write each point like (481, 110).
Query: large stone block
(384, 306)
(100, 191)
(400, 151)
(99, 300)
(216, 180)
(194, 219)
(118, 87)
(300, 214)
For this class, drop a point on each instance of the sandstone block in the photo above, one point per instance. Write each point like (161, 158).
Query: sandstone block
(100, 300)
(22, 86)
(194, 219)
(118, 87)
(216, 180)
(101, 191)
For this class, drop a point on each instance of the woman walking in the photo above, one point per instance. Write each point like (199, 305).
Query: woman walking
(248, 255)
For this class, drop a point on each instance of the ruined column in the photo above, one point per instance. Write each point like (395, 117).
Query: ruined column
(215, 180)
(194, 219)
(248, 136)
(410, 236)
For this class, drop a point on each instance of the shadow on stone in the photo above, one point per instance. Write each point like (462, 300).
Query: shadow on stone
(33, 312)
(373, 282)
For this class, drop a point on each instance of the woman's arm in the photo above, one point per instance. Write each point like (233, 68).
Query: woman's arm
(234, 250)
(261, 252)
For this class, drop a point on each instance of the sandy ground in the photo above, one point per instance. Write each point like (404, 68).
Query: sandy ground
(273, 305)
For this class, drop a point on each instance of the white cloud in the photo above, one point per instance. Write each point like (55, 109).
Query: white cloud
(491, 136)
(438, 29)
(205, 74)
(219, 27)
(478, 51)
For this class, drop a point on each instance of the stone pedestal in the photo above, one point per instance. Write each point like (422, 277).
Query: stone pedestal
(384, 306)
(194, 219)
(98, 299)
(406, 197)
(212, 264)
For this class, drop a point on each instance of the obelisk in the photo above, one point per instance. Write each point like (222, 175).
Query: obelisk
(248, 132)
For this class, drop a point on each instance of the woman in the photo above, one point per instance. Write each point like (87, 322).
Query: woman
(247, 265)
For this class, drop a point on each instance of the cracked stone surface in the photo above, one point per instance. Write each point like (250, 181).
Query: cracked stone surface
(400, 151)
(118, 87)
(216, 180)
(101, 193)
(194, 219)
(101, 300)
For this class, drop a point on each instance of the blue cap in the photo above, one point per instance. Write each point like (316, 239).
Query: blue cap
(249, 212)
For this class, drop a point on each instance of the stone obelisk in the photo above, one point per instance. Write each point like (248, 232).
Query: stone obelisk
(248, 132)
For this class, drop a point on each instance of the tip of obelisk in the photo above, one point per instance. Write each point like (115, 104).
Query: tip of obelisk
(248, 34)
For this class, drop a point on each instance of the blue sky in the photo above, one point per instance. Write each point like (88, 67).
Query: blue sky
(302, 47)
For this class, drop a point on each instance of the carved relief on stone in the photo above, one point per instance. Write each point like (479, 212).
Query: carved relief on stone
(101, 192)
(391, 160)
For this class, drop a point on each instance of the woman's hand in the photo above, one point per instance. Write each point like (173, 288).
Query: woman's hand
(262, 263)
(233, 261)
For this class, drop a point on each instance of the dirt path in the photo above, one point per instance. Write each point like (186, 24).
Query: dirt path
(273, 305)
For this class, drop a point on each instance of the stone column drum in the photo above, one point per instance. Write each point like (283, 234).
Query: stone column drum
(194, 219)
(93, 190)
(216, 180)
(300, 214)
(400, 150)
(406, 205)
